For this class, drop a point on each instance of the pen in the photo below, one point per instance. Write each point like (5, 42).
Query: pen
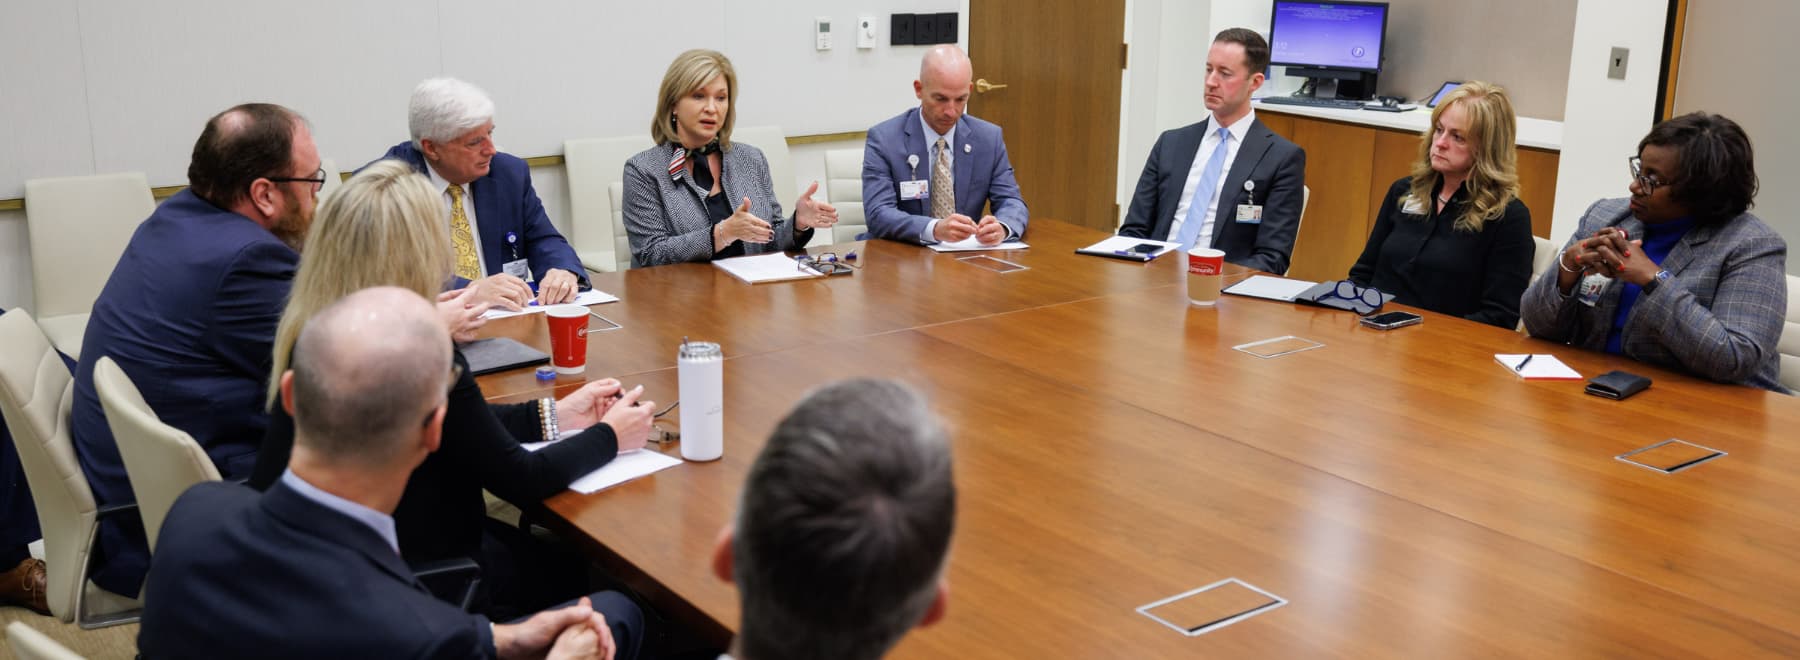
(1522, 363)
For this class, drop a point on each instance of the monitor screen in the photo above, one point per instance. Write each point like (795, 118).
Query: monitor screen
(1336, 35)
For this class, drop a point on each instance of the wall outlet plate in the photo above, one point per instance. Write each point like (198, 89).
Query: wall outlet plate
(1615, 65)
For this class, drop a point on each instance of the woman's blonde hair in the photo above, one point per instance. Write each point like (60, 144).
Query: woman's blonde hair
(1494, 175)
(687, 73)
(384, 227)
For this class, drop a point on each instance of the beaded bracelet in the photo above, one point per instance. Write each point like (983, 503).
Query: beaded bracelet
(547, 414)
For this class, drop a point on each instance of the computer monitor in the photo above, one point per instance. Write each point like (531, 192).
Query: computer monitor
(1336, 44)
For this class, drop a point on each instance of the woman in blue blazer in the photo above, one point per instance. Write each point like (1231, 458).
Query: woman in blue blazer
(696, 195)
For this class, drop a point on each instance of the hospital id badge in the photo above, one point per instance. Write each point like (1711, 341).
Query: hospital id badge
(520, 268)
(1589, 289)
(1249, 214)
(917, 189)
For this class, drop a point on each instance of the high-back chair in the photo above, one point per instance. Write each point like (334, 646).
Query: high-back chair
(773, 144)
(596, 169)
(1789, 346)
(29, 644)
(1543, 254)
(843, 188)
(161, 460)
(36, 393)
(79, 226)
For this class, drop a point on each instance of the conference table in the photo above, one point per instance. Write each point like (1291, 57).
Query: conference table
(1402, 492)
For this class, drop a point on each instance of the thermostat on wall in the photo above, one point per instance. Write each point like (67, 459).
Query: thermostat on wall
(822, 33)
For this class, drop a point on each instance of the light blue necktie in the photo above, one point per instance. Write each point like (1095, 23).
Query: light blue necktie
(1203, 193)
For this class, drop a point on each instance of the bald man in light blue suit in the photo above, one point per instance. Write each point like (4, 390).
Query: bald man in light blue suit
(902, 153)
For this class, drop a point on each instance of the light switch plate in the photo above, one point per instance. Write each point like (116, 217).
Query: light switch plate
(865, 32)
(1615, 65)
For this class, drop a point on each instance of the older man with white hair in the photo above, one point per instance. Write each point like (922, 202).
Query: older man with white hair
(497, 224)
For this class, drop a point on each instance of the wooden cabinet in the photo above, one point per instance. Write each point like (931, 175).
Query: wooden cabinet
(1348, 170)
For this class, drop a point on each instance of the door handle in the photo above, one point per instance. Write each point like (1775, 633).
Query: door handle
(983, 86)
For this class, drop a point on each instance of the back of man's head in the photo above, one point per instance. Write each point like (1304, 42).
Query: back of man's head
(237, 147)
(366, 370)
(844, 526)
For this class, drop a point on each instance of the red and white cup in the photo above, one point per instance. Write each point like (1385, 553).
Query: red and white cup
(568, 337)
(1206, 274)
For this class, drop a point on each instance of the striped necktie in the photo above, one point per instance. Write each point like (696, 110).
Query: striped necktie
(462, 236)
(943, 190)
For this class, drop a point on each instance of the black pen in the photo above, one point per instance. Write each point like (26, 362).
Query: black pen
(1523, 362)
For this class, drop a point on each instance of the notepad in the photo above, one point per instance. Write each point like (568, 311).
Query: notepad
(588, 297)
(1271, 288)
(971, 244)
(1542, 366)
(627, 466)
(771, 267)
(1120, 247)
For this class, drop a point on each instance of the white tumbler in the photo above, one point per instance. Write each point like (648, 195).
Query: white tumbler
(700, 368)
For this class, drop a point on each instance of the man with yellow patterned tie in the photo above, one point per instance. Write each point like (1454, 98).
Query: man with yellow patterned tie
(497, 224)
(928, 172)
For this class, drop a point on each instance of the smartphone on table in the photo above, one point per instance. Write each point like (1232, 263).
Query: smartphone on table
(1391, 320)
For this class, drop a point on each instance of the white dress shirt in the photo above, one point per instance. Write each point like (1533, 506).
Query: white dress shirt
(468, 202)
(1208, 144)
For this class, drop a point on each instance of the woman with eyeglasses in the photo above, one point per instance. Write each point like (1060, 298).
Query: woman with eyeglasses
(1453, 237)
(1678, 275)
(385, 228)
(698, 196)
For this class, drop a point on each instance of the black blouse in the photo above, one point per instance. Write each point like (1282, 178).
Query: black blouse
(441, 513)
(1422, 259)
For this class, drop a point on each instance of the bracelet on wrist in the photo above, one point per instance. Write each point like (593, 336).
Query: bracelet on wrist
(1560, 263)
(547, 417)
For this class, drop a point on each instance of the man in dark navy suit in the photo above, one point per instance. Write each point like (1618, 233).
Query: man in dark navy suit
(497, 223)
(1228, 182)
(312, 568)
(190, 310)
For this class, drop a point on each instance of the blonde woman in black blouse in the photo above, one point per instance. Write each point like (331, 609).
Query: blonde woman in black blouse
(1453, 237)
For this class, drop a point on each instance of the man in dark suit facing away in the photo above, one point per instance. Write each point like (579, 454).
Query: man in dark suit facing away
(1228, 182)
(312, 568)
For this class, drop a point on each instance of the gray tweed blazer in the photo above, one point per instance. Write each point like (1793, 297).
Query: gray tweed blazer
(666, 219)
(1719, 317)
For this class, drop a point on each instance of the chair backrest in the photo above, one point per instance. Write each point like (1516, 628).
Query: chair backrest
(843, 188)
(36, 392)
(773, 144)
(596, 168)
(161, 460)
(79, 226)
(29, 644)
(1542, 256)
(1789, 346)
(333, 178)
(1305, 198)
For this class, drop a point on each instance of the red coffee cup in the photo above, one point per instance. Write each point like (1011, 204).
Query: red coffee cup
(568, 337)
(1206, 270)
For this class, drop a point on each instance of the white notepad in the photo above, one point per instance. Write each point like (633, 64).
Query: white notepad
(771, 267)
(627, 466)
(1119, 247)
(972, 244)
(588, 297)
(1542, 366)
(1272, 288)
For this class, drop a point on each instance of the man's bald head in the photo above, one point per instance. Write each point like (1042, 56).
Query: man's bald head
(366, 370)
(943, 86)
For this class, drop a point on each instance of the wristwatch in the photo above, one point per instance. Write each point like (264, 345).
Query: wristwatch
(1656, 281)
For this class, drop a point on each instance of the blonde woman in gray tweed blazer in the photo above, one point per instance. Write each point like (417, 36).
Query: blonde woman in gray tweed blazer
(696, 195)
(1696, 283)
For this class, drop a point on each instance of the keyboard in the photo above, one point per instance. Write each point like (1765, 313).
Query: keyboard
(1343, 104)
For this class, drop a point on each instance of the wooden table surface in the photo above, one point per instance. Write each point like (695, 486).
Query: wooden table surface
(1407, 495)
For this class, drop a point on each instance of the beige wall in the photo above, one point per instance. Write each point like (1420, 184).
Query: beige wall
(1522, 45)
(1739, 68)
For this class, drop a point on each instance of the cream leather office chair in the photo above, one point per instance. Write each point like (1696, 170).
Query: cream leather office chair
(161, 460)
(36, 392)
(1789, 346)
(29, 644)
(843, 173)
(596, 169)
(79, 226)
(333, 178)
(1542, 256)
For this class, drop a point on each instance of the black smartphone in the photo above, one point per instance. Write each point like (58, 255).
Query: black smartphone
(1391, 320)
(1146, 248)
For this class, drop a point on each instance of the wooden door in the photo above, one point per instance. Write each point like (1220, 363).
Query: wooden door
(1062, 65)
